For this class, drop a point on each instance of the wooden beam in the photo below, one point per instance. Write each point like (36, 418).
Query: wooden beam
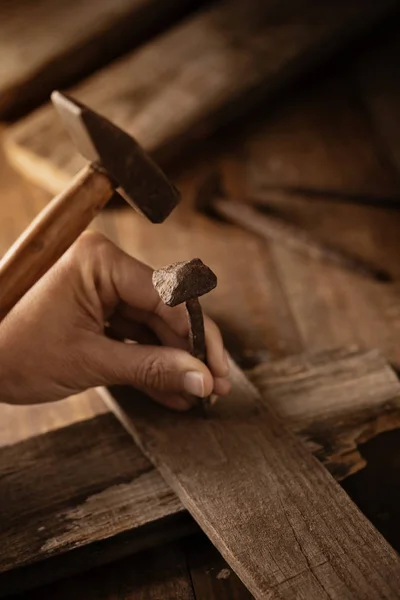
(269, 507)
(63, 514)
(195, 78)
(47, 44)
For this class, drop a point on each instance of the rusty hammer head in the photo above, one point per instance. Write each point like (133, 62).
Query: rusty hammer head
(183, 281)
(136, 177)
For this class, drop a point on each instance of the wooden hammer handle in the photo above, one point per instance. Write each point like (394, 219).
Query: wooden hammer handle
(51, 233)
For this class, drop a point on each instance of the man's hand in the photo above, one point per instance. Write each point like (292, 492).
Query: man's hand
(71, 332)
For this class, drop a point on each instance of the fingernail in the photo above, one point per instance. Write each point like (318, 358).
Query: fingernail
(226, 362)
(193, 383)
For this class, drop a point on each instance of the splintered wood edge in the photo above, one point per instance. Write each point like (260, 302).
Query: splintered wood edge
(344, 426)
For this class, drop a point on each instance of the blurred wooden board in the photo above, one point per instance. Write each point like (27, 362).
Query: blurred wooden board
(46, 44)
(57, 507)
(320, 142)
(194, 78)
(275, 514)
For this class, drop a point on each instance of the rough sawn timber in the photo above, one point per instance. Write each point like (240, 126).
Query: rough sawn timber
(272, 510)
(62, 514)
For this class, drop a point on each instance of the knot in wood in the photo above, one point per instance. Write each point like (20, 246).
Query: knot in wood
(182, 281)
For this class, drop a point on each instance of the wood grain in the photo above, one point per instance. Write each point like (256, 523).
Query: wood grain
(115, 502)
(298, 531)
(332, 426)
(76, 487)
(46, 44)
(194, 78)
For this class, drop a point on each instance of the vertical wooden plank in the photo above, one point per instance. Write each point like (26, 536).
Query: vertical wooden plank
(279, 530)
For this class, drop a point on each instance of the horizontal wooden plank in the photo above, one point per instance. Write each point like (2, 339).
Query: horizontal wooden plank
(195, 78)
(47, 44)
(64, 514)
(320, 142)
(81, 492)
(270, 508)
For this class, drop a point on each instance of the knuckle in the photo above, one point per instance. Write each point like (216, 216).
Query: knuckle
(90, 249)
(89, 240)
(151, 372)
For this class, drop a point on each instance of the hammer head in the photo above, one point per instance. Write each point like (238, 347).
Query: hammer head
(136, 177)
(183, 281)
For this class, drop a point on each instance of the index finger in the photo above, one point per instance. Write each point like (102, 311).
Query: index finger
(132, 282)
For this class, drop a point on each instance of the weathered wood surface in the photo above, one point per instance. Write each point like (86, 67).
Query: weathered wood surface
(256, 314)
(116, 502)
(270, 508)
(46, 44)
(195, 78)
(76, 487)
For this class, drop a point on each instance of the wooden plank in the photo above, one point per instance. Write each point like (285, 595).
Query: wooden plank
(115, 502)
(330, 307)
(47, 44)
(306, 145)
(86, 496)
(239, 470)
(333, 307)
(195, 78)
(332, 428)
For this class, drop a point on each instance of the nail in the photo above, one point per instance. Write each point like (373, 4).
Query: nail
(193, 383)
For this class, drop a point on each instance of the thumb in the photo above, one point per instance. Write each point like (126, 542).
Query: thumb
(162, 372)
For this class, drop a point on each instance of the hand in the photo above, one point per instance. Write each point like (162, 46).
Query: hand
(54, 343)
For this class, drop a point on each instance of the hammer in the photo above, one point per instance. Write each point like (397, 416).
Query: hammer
(118, 164)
